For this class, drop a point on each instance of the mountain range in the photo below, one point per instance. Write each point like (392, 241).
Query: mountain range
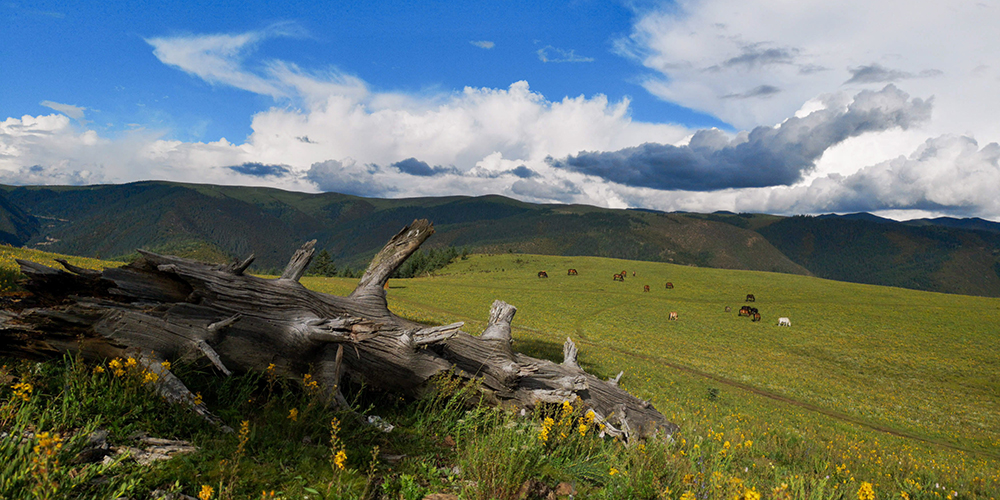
(222, 223)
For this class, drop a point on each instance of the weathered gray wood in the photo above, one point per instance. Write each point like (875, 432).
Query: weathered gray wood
(166, 307)
(299, 263)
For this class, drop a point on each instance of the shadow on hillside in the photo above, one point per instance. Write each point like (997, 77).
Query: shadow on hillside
(540, 349)
(553, 352)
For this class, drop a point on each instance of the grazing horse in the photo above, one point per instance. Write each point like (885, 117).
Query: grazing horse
(729, 309)
(784, 322)
(756, 317)
(670, 286)
(543, 274)
(672, 316)
(645, 288)
(745, 311)
(633, 274)
(750, 298)
(571, 272)
(619, 277)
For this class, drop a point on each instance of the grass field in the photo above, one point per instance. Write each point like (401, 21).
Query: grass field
(888, 380)
(895, 389)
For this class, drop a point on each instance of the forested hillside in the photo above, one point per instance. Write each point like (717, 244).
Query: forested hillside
(221, 223)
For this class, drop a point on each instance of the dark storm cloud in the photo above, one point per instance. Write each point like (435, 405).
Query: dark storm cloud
(414, 166)
(523, 172)
(876, 73)
(766, 156)
(758, 91)
(259, 169)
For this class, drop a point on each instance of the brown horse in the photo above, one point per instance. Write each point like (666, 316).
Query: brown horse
(619, 277)
(543, 274)
(670, 286)
(751, 298)
(672, 316)
(645, 288)
(571, 272)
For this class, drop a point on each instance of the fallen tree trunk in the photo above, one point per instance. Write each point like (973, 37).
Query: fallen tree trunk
(168, 308)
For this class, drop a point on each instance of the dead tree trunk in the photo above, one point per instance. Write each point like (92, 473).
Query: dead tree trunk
(163, 307)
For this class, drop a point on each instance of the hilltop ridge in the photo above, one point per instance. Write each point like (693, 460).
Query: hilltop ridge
(220, 223)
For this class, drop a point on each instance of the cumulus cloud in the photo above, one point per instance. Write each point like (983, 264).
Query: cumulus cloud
(947, 174)
(549, 54)
(556, 190)
(483, 44)
(702, 51)
(348, 177)
(766, 156)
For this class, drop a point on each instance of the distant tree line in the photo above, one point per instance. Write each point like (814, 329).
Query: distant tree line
(425, 262)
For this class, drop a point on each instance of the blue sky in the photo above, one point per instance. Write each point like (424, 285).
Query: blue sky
(702, 105)
(95, 54)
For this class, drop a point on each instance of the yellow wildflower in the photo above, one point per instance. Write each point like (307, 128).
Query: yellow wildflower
(98, 369)
(293, 414)
(688, 495)
(567, 408)
(48, 444)
(165, 364)
(582, 429)
(751, 494)
(130, 362)
(197, 398)
(150, 377)
(613, 471)
(206, 492)
(339, 459)
(543, 433)
(865, 492)
(22, 390)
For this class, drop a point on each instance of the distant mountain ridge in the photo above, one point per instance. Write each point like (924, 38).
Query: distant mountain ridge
(220, 223)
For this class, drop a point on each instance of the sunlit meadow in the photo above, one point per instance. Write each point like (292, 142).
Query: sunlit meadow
(873, 392)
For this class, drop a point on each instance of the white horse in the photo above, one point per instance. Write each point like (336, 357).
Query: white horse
(784, 322)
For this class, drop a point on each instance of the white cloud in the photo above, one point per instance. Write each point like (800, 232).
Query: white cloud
(74, 112)
(704, 50)
(483, 44)
(549, 54)
(748, 64)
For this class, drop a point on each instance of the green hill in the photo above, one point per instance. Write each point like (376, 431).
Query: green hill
(221, 223)
(230, 222)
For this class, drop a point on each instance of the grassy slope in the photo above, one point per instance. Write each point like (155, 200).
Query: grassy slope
(918, 362)
(875, 375)
(880, 383)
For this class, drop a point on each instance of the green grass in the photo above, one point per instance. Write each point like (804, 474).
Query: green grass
(891, 387)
